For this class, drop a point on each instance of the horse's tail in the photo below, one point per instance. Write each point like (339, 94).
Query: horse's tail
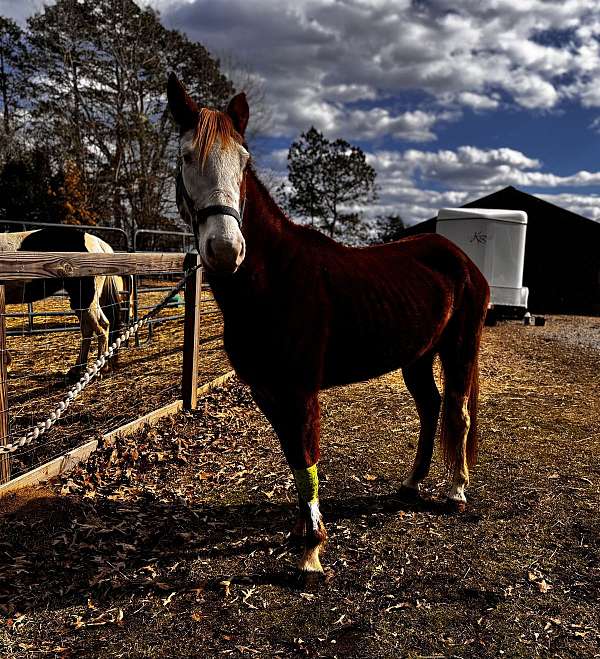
(460, 363)
(115, 305)
(110, 301)
(473, 435)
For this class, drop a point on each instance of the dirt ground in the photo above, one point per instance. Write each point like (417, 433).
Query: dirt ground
(174, 542)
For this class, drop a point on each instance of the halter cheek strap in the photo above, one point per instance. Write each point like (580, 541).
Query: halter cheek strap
(200, 215)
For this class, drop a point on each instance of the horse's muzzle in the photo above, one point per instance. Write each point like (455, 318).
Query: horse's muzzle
(224, 255)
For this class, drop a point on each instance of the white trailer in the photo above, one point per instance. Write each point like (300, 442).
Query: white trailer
(495, 240)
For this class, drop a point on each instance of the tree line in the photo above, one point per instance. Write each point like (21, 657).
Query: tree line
(86, 137)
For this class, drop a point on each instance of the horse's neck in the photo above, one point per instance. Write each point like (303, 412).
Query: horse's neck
(265, 223)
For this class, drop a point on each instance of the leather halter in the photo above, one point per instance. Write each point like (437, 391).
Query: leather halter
(200, 215)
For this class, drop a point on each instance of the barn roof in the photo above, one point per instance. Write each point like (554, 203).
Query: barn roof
(537, 210)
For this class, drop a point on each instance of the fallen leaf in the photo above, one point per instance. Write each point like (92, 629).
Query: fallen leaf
(543, 587)
(167, 600)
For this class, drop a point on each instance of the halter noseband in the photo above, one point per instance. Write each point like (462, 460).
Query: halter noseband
(200, 215)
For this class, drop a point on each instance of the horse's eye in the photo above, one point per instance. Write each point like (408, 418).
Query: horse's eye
(188, 158)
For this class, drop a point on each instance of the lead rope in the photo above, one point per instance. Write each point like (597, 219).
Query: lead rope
(92, 371)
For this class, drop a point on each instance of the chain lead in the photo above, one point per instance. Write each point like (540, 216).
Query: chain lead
(91, 371)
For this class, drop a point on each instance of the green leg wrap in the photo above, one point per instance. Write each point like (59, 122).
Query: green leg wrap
(307, 483)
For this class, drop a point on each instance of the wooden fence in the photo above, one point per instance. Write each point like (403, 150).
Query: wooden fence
(19, 266)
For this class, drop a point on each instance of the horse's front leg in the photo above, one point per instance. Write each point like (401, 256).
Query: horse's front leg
(310, 521)
(295, 419)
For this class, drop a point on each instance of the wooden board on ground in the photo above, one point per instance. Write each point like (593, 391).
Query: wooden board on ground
(4, 425)
(56, 467)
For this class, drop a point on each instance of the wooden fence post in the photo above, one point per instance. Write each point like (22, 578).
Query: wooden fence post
(5, 457)
(191, 334)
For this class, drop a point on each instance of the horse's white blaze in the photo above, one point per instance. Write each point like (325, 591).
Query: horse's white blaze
(218, 182)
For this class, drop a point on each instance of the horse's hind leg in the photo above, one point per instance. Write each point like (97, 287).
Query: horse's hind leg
(295, 419)
(421, 384)
(102, 327)
(87, 334)
(458, 435)
(456, 424)
(92, 321)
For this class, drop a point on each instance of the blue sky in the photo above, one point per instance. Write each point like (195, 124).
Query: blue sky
(450, 100)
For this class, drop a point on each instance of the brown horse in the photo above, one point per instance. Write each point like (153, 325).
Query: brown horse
(303, 312)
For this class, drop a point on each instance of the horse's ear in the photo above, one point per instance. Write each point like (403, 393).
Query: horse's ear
(182, 106)
(239, 112)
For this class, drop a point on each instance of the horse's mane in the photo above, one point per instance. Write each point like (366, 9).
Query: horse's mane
(213, 124)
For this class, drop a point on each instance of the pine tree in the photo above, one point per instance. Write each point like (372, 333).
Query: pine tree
(389, 228)
(328, 180)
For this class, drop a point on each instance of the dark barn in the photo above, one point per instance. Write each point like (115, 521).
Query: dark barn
(562, 253)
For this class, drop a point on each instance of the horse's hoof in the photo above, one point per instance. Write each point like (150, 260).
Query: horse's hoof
(409, 493)
(311, 581)
(456, 505)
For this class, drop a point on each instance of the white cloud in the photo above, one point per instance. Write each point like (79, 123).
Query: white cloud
(472, 168)
(409, 182)
(586, 205)
(467, 174)
(478, 101)
(317, 55)
(20, 10)
(595, 125)
(415, 126)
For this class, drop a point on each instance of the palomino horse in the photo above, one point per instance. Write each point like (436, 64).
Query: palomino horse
(96, 301)
(303, 312)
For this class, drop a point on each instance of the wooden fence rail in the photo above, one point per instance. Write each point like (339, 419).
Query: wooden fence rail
(58, 265)
(19, 266)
